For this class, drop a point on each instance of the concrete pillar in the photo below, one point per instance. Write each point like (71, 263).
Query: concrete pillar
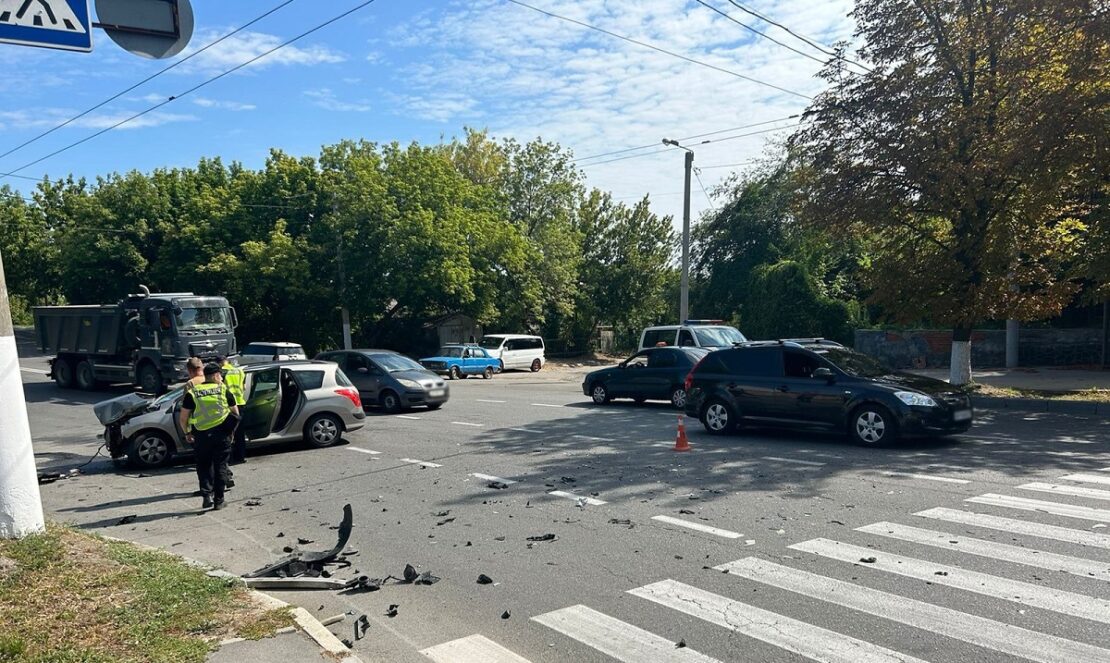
(20, 504)
(1013, 328)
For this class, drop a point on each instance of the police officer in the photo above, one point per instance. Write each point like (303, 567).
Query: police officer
(234, 377)
(210, 410)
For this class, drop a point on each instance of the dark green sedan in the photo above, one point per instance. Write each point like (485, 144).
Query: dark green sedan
(652, 374)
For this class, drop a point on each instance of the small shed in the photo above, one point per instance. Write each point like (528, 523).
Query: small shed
(457, 328)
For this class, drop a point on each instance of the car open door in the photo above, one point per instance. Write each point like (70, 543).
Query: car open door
(263, 396)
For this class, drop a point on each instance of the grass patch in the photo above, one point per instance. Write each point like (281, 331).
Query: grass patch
(1094, 395)
(67, 596)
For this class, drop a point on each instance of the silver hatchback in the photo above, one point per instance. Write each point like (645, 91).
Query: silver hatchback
(303, 400)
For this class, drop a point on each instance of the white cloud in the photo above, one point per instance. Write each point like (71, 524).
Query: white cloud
(526, 75)
(42, 118)
(325, 98)
(240, 48)
(204, 102)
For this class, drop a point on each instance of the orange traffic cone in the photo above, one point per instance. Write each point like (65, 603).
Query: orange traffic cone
(681, 443)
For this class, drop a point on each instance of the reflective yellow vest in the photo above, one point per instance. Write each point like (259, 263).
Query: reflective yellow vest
(212, 409)
(234, 378)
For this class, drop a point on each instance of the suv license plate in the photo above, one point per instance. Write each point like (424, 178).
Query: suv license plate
(436, 393)
(961, 415)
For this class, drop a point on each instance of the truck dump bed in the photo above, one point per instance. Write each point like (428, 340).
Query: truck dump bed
(80, 329)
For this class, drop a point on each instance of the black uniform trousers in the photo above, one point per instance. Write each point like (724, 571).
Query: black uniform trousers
(213, 448)
(239, 448)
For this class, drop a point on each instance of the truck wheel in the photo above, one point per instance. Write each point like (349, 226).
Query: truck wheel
(150, 380)
(86, 378)
(63, 373)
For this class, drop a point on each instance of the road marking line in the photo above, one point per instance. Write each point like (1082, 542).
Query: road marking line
(928, 477)
(1076, 491)
(472, 649)
(571, 496)
(593, 439)
(420, 462)
(1068, 603)
(617, 639)
(1087, 478)
(526, 430)
(364, 451)
(490, 477)
(1055, 508)
(811, 463)
(698, 526)
(547, 405)
(1048, 561)
(1023, 527)
(987, 633)
(790, 634)
(36, 371)
(407, 416)
(484, 400)
(464, 423)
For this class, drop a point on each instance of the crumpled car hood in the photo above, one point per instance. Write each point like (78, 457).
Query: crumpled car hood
(117, 409)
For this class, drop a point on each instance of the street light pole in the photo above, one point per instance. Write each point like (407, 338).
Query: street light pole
(684, 296)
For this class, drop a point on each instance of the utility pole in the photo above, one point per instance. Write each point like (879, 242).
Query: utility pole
(20, 503)
(684, 296)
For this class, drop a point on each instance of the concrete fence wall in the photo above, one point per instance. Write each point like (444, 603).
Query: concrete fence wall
(931, 348)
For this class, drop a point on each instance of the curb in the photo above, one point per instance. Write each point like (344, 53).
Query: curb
(1041, 405)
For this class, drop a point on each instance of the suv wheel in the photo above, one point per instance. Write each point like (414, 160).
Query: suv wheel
(323, 430)
(872, 425)
(718, 418)
(536, 365)
(678, 398)
(599, 393)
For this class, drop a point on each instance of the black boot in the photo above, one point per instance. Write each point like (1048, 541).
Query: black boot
(207, 504)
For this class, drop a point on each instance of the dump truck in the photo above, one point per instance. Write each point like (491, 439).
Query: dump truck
(145, 339)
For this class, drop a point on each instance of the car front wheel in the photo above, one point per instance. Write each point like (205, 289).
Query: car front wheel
(536, 365)
(391, 402)
(150, 449)
(455, 373)
(323, 430)
(872, 425)
(718, 418)
(599, 394)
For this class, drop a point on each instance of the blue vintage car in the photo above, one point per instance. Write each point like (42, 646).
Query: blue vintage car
(459, 361)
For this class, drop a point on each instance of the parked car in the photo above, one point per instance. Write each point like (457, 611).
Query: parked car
(313, 401)
(457, 361)
(390, 380)
(256, 353)
(516, 350)
(713, 334)
(653, 374)
(815, 383)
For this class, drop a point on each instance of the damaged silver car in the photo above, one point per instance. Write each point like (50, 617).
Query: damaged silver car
(304, 400)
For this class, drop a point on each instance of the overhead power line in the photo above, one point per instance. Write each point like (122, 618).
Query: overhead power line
(704, 142)
(811, 42)
(196, 87)
(761, 34)
(662, 50)
(710, 133)
(145, 80)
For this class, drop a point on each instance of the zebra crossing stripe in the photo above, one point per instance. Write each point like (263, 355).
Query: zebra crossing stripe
(617, 639)
(811, 641)
(1068, 603)
(998, 636)
(1087, 568)
(1055, 508)
(472, 649)
(716, 531)
(1061, 489)
(1088, 478)
(1022, 527)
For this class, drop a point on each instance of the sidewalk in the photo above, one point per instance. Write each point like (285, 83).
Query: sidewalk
(1052, 379)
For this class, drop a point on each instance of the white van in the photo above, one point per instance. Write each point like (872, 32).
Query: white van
(712, 334)
(516, 350)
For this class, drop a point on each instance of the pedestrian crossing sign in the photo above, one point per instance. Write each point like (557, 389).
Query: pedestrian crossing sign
(61, 24)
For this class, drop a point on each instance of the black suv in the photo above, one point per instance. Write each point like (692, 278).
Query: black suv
(816, 383)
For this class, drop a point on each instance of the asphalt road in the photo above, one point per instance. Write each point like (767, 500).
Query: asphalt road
(992, 546)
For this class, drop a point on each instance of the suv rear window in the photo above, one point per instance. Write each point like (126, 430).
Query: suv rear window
(753, 362)
(653, 337)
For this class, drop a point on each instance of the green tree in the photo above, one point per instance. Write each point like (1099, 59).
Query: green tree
(790, 304)
(956, 155)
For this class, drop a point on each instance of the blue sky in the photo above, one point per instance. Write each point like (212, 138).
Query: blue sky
(424, 69)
